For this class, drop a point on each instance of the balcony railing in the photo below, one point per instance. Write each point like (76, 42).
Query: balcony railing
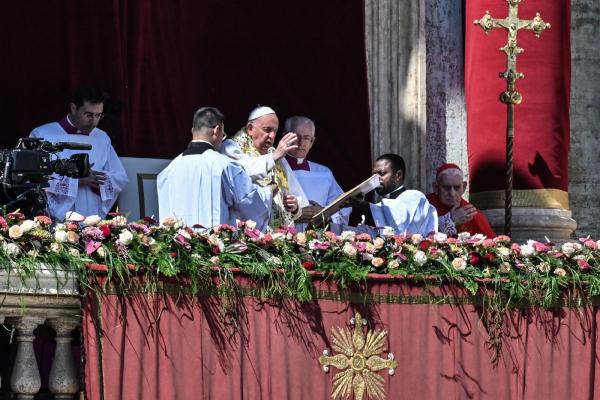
(51, 299)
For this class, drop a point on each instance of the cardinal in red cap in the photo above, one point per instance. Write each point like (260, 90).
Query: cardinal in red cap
(455, 213)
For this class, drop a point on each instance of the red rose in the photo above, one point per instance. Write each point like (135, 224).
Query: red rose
(424, 245)
(105, 230)
(310, 265)
(584, 266)
(489, 257)
(474, 258)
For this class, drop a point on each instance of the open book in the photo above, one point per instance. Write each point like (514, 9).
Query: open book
(321, 218)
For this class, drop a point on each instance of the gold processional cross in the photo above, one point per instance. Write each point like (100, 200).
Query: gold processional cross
(510, 97)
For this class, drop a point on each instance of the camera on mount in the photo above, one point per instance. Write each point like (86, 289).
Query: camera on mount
(26, 169)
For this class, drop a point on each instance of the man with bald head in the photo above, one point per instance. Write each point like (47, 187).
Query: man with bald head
(253, 148)
(316, 180)
(455, 213)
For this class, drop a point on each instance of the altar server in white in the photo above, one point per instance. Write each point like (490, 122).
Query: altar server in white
(95, 194)
(405, 211)
(252, 147)
(316, 180)
(203, 187)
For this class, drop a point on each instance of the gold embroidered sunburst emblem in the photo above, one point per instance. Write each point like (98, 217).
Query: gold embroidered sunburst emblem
(358, 360)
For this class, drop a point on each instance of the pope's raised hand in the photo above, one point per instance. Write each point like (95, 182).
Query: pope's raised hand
(460, 215)
(287, 143)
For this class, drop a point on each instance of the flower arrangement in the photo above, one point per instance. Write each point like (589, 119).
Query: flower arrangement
(281, 261)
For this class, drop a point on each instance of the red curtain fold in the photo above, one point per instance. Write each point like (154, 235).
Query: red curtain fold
(165, 348)
(541, 121)
(163, 60)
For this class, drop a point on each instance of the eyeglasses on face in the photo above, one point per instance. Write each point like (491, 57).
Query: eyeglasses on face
(91, 115)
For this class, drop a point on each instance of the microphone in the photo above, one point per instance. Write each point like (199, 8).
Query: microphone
(73, 146)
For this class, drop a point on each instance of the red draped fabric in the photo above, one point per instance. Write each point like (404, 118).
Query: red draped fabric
(541, 121)
(165, 347)
(164, 59)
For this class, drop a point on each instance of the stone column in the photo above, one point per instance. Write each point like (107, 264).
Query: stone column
(446, 113)
(63, 382)
(25, 380)
(395, 46)
(584, 162)
(416, 87)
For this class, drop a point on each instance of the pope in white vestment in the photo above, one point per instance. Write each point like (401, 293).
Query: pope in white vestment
(208, 189)
(66, 194)
(252, 148)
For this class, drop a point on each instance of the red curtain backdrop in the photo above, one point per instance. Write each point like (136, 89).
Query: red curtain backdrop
(162, 347)
(164, 59)
(541, 120)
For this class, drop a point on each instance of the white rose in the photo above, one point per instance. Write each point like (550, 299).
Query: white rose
(568, 248)
(72, 216)
(12, 249)
(301, 239)
(60, 236)
(184, 233)
(504, 251)
(527, 250)
(55, 247)
(369, 248)
(278, 236)
(463, 236)
(388, 231)
(28, 225)
(92, 220)
(119, 220)
(420, 257)
(560, 272)
(394, 264)
(440, 237)
(214, 240)
(349, 250)
(377, 262)
(459, 264)
(74, 252)
(416, 238)
(543, 267)
(378, 243)
(250, 224)
(101, 252)
(15, 232)
(505, 268)
(348, 235)
(125, 237)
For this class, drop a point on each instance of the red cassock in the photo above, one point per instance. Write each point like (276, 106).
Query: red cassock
(479, 223)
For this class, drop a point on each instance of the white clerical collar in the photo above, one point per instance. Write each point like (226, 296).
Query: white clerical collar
(300, 160)
(200, 140)
(387, 196)
(72, 124)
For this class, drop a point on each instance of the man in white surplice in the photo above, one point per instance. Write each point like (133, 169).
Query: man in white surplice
(203, 187)
(252, 147)
(95, 194)
(316, 180)
(405, 211)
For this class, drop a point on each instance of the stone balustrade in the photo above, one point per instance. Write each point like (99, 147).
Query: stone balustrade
(52, 299)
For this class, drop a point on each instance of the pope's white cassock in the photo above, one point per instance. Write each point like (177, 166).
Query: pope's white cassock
(319, 185)
(65, 194)
(260, 167)
(204, 187)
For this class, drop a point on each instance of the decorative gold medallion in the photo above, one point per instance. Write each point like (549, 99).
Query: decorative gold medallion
(358, 361)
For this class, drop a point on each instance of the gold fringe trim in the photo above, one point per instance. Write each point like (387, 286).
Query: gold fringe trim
(533, 198)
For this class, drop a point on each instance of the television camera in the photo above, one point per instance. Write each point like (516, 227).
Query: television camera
(27, 169)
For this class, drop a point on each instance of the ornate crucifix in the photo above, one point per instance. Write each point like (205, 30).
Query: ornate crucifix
(510, 97)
